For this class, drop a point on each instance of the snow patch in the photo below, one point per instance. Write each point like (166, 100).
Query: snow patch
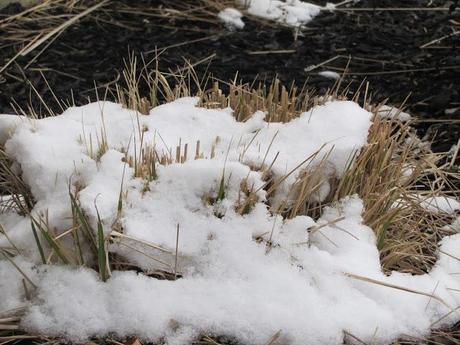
(387, 112)
(289, 12)
(329, 74)
(231, 17)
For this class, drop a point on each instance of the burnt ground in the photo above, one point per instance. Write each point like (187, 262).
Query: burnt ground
(383, 47)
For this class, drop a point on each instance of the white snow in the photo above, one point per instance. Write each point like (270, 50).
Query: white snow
(231, 17)
(9, 123)
(441, 204)
(329, 74)
(308, 283)
(387, 112)
(289, 12)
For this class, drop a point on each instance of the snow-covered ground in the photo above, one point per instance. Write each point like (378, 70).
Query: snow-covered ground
(317, 279)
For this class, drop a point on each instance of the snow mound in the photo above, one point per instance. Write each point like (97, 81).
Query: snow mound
(231, 17)
(289, 12)
(242, 274)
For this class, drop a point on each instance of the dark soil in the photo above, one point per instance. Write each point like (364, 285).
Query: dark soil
(381, 47)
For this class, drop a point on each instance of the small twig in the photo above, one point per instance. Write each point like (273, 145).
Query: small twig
(267, 52)
(343, 3)
(397, 287)
(9, 327)
(19, 269)
(273, 338)
(394, 9)
(428, 69)
(429, 300)
(23, 13)
(455, 33)
(311, 68)
(354, 337)
(450, 255)
(332, 222)
(177, 252)
(182, 43)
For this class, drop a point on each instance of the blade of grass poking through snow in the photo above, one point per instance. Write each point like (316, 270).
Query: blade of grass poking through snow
(76, 236)
(77, 242)
(177, 252)
(120, 196)
(52, 243)
(221, 192)
(101, 251)
(37, 240)
(83, 222)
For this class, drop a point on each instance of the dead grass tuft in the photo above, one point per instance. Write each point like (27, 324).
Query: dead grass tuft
(392, 175)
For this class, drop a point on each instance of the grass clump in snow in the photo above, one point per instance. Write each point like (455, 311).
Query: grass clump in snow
(394, 174)
(401, 184)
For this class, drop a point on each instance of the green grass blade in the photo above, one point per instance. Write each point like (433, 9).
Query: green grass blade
(53, 243)
(87, 231)
(120, 201)
(76, 239)
(221, 193)
(37, 240)
(101, 253)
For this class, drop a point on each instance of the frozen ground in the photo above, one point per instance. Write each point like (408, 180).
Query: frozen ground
(244, 275)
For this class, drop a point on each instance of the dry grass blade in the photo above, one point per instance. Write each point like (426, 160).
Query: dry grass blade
(49, 18)
(62, 27)
(397, 287)
(26, 277)
(274, 338)
(17, 193)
